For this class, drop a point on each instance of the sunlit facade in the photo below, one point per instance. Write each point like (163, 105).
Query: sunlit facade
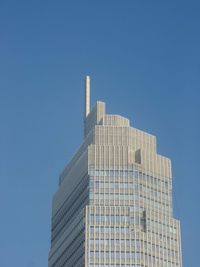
(114, 206)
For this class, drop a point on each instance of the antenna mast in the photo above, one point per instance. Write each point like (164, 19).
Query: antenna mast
(87, 99)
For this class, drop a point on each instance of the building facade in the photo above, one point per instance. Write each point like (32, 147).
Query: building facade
(114, 206)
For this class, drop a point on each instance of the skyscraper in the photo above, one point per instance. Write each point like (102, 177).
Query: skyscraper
(114, 206)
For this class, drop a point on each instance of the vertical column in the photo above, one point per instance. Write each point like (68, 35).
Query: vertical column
(87, 96)
(87, 101)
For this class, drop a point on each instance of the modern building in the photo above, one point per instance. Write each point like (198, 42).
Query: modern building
(114, 206)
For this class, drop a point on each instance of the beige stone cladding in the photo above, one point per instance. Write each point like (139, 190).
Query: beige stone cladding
(113, 207)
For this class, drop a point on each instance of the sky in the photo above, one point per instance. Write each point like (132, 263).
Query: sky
(144, 61)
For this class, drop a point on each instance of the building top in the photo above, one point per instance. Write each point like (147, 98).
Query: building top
(101, 129)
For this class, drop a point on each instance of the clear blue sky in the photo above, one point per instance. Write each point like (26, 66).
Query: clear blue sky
(144, 60)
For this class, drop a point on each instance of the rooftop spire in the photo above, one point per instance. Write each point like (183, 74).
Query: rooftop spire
(87, 96)
(87, 101)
